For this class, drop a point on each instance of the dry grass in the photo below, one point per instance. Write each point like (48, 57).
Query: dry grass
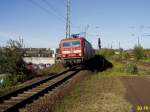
(97, 94)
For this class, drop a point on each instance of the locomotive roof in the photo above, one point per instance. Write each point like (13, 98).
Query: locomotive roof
(73, 38)
(78, 38)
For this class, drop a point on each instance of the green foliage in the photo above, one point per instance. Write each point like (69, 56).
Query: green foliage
(11, 63)
(11, 58)
(58, 67)
(107, 53)
(138, 52)
(117, 58)
(131, 68)
(147, 53)
(9, 80)
(125, 55)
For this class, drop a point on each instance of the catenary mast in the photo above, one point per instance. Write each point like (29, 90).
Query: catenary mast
(68, 20)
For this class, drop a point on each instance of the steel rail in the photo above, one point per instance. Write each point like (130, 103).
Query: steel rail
(17, 99)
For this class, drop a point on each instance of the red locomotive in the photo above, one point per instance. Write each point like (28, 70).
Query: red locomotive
(75, 50)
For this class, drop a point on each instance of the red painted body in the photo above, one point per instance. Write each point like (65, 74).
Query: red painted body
(81, 51)
(71, 52)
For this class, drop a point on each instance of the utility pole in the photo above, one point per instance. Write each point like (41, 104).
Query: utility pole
(111, 46)
(119, 44)
(99, 43)
(138, 41)
(68, 19)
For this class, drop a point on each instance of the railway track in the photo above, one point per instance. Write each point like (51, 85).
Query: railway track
(17, 99)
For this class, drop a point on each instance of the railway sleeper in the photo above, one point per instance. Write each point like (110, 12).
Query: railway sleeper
(3, 107)
(17, 98)
(11, 102)
(31, 92)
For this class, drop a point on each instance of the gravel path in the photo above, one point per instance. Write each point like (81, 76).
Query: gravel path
(138, 92)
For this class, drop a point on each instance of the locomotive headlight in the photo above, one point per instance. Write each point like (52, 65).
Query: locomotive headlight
(79, 54)
(77, 51)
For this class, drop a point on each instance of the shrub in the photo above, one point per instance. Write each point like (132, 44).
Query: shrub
(9, 80)
(147, 53)
(107, 53)
(11, 58)
(11, 62)
(131, 68)
(138, 52)
(117, 58)
(58, 67)
(125, 55)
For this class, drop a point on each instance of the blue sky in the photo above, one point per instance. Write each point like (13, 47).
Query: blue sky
(43, 25)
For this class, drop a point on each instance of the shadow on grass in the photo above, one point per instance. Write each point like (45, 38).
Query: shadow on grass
(98, 64)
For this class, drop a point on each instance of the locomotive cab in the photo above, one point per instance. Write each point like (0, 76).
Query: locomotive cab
(75, 50)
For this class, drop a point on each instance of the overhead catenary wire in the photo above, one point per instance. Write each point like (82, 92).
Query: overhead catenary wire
(46, 10)
(52, 8)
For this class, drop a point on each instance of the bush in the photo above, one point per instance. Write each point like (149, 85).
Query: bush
(11, 58)
(138, 52)
(107, 53)
(11, 62)
(55, 68)
(131, 68)
(9, 80)
(125, 55)
(147, 53)
(117, 58)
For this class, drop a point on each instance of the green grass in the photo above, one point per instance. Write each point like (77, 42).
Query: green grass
(146, 60)
(58, 67)
(102, 92)
(117, 70)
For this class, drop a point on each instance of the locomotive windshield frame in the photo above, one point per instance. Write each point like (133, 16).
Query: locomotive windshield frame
(72, 43)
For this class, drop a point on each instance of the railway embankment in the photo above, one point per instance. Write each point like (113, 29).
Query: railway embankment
(100, 92)
(123, 88)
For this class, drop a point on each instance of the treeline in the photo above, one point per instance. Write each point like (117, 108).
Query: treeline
(138, 53)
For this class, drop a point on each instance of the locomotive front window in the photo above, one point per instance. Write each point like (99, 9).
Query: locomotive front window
(66, 44)
(71, 44)
(75, 43)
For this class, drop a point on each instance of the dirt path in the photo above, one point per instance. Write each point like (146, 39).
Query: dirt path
(138, 92)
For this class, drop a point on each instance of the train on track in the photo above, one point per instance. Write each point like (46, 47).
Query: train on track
(75, 50)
